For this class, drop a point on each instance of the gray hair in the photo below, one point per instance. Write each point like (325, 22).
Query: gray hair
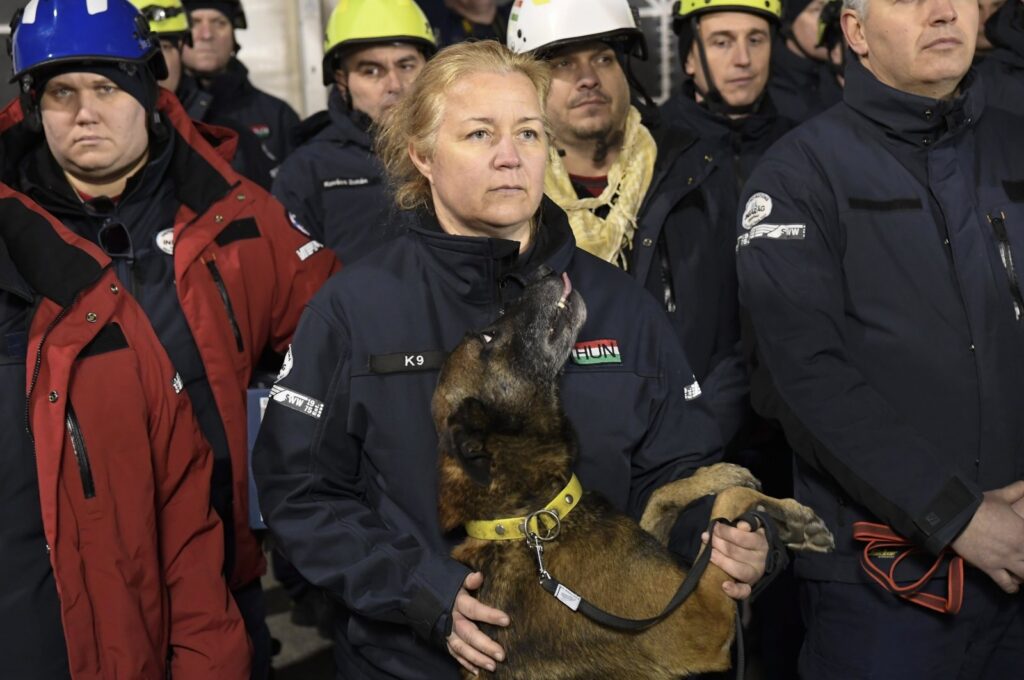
(858, 6)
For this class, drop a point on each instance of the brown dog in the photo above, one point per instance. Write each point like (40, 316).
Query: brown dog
(507, 449)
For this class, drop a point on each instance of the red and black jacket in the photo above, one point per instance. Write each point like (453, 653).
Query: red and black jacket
(243, 274)
(124, 475)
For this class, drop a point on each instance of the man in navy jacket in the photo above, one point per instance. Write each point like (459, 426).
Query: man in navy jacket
(333, 185)
(878, 254)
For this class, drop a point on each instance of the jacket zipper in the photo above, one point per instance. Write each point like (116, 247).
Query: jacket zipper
(222, 289)
(81, 453)
(998, 223)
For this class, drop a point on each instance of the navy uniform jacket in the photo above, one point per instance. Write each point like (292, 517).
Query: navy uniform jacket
(333, 185)
(347, 456)
(1003, 66)
(739, 143)
(237, 100)
(683, 253)
(878, 254)
(800, 87)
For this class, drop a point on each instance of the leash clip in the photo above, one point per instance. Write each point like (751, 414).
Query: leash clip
(536, 541)
(538, 549)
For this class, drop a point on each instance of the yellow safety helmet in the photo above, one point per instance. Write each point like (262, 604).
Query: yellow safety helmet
(364, 22)
(167, 18)
(687, 9)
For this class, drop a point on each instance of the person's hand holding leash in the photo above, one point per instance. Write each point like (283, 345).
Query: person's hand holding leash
(467, 643)
(741, 553)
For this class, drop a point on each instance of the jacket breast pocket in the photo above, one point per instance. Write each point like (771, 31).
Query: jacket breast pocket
(108, 462)
(894, 253)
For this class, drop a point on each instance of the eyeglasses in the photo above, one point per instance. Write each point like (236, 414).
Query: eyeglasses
(116, 241)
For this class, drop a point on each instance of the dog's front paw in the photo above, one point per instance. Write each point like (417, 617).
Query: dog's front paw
(800, 527)
(721, 476)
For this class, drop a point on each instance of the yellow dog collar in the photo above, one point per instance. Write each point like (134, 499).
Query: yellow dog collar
(546, 520)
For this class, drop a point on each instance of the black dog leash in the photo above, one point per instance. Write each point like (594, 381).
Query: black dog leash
(578, 603)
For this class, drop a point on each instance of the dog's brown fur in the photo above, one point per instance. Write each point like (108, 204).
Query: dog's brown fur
(507, 448)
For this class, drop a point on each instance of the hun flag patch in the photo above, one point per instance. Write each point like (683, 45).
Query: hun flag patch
(596, 352)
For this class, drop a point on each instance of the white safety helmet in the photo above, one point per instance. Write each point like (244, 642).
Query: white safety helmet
(541, 26)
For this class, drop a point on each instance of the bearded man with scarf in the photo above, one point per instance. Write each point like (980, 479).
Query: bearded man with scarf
(655, 201)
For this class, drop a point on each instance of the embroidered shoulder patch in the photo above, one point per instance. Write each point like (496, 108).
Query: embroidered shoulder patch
(296, 401)
(165, 241)
(307, 251)
(777, 232)
(596, 352)
(759, 206)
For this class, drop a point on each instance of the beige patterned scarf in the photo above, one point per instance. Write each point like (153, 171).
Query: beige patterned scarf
(610, 238)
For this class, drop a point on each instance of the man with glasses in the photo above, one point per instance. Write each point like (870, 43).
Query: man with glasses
(210, 256)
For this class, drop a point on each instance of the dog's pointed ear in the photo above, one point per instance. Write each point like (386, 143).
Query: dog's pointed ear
(467, 438)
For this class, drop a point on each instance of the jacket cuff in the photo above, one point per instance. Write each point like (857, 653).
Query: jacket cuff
(429, 610)
(947, 514)
(684, 539)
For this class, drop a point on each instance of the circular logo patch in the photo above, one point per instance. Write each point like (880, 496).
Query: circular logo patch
(165, 241)
(759, 206)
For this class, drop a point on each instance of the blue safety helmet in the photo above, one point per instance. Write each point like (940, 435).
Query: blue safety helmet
(54, 32)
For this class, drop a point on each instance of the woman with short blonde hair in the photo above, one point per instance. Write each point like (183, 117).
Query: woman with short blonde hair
(346, 460)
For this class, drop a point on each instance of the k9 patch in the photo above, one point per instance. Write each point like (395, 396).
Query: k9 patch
(596, 352)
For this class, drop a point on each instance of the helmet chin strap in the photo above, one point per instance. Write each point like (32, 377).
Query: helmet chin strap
(788, 36)
(713, 99)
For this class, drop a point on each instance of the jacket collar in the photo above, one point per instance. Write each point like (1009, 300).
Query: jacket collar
(473, 266)
(51, 260)
(201, 176)
(349, 125)
(920, 121)
(747, 130)
(1006, 32)
(196, 101)
(338, 124)
(230, 85)
(42, 179)
(793, 66)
